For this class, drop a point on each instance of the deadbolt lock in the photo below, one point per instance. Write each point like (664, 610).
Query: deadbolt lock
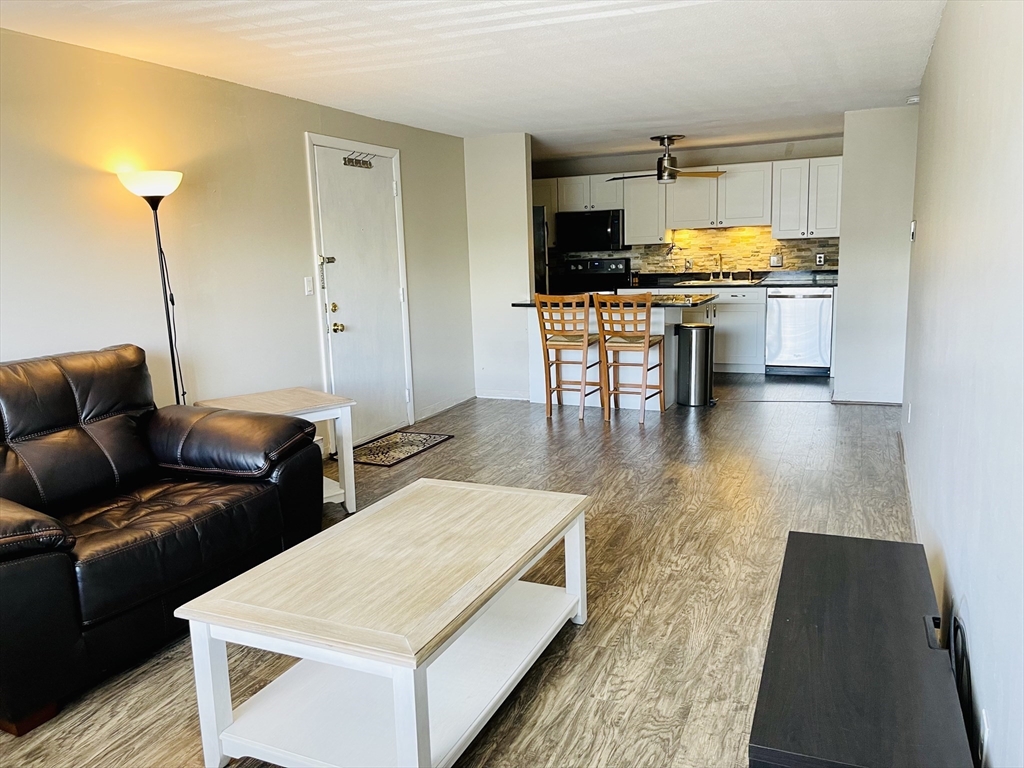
(334, 306)
(338, 327)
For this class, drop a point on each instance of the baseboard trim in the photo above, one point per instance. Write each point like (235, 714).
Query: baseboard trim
(499, 394)
(442, 405)
(835, 401)
(906, 481)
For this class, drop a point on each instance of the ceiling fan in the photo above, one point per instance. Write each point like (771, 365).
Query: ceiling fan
(667, 172)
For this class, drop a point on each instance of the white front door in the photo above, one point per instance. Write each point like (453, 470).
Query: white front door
(363, 286)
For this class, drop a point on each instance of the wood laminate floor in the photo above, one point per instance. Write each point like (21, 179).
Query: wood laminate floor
(684, 547)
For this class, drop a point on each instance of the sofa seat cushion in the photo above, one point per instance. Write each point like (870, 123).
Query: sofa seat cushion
(136, 546)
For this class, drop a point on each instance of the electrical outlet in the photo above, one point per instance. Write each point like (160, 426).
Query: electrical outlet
(308, 285)
(776, 260)
(983, 746)
(688, 264)
(819, 259)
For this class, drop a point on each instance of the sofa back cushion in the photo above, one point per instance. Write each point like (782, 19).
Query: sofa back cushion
(73, 426)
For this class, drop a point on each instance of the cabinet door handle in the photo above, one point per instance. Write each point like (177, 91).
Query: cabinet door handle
(803, 233)
(712, 223)
(812, 233)
(721, 222)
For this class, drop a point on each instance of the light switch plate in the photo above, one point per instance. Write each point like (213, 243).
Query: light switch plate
(776, 260)
(308, 281)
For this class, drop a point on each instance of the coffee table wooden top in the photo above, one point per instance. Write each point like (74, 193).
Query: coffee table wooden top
(293, 401)
(396, 581)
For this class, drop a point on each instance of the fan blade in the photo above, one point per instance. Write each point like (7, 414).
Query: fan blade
(696, 174)
(641, 176)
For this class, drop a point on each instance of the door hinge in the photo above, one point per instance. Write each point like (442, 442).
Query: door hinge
(401, 295)
(408, 396)
(394, 186)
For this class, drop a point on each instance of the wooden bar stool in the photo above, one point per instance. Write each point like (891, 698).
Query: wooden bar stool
(565, 324)
(624, 325)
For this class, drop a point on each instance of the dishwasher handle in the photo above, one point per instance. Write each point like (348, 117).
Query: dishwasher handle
(800, 296)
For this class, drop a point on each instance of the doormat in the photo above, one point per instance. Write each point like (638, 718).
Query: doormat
(398, 446)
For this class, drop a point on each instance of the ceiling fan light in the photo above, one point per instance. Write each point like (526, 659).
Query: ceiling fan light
(665, 173)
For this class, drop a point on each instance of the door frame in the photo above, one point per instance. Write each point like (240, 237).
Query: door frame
(314, 140)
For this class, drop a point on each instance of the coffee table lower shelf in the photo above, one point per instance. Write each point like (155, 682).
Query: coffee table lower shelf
(317, 714)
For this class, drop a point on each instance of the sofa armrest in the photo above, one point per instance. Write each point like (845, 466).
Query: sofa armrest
(25, 532)
(221, 442)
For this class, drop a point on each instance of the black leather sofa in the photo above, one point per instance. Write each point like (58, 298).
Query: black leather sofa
(114, 512)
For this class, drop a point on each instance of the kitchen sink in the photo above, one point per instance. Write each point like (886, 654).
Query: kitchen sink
(729, 281)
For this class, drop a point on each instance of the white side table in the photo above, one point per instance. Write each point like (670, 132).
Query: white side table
(311, 405)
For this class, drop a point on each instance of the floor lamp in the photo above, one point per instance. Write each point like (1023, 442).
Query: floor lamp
(154, 186)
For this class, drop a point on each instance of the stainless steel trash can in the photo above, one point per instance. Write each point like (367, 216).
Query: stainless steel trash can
(695, 370)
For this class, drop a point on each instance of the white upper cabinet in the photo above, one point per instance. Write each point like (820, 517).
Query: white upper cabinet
(545, 192)
(606, 195)
(644, 204)
(692, 203)
(744, 195)
(806, 198)
(589, 193)
(573, 193)
(789, 199)
(824, 191)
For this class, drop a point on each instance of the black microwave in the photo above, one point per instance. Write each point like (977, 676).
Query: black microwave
(587, 231)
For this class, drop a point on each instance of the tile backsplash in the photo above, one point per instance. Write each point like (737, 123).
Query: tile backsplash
(741, 248)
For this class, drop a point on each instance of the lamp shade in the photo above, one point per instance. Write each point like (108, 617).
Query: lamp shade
(150, 183)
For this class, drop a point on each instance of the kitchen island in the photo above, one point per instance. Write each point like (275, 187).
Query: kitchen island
(667, 313)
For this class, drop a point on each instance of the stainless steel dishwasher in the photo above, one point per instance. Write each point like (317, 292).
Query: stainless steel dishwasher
(798, 331)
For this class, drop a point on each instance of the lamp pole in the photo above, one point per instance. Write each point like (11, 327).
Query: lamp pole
(153, 187)
(154, 203)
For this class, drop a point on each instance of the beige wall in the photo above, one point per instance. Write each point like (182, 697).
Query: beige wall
(963, 406)
(870, 313)
(77, 262)
(498, 195)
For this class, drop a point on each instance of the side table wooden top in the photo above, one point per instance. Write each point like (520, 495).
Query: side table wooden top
(394, 582)
(294, 401)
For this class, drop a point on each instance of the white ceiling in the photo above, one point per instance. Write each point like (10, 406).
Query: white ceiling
(584, 77)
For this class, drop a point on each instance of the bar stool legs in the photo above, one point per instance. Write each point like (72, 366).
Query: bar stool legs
(565, 324)
(624, 325)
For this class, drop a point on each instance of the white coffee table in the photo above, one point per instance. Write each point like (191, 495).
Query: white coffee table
(411, 622)
(312, 405)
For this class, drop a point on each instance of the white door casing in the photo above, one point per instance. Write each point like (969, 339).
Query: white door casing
(357, 222)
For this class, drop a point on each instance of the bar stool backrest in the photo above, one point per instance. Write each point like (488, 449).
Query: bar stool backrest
(565, 316)
(624, 317)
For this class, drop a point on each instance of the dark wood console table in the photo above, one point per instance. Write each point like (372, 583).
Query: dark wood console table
(853, 675)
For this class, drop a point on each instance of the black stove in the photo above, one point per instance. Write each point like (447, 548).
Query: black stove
(582, 275)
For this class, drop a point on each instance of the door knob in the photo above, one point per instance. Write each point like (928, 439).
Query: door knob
(337, 327)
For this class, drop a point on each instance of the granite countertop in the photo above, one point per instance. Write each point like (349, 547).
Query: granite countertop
(775, 279)
(665, 300)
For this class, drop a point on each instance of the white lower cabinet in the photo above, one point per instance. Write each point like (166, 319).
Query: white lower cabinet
(738, 317)
(739, 337)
